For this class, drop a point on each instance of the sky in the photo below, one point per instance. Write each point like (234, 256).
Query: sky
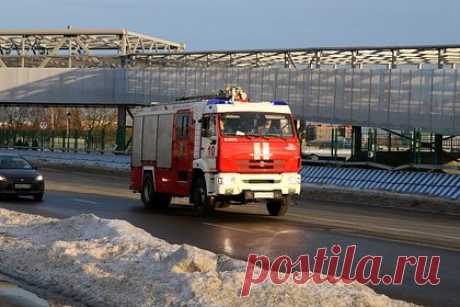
(251, 24)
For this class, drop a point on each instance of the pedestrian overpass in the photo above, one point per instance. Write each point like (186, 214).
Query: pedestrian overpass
(391, 87)
(400, 99)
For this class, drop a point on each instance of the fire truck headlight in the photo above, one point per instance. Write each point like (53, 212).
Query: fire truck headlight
(226, 180)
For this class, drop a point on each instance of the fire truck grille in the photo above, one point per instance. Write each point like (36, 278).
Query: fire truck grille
(261, 181)
(260, 164)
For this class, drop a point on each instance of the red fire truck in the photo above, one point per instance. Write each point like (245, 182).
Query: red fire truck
(218, 152)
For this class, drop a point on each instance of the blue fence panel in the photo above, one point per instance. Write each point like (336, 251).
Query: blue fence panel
(431, 184)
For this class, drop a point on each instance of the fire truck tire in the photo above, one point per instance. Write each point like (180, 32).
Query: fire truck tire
(204, 204)
(148, 193)
(278, 207)
(150, 198)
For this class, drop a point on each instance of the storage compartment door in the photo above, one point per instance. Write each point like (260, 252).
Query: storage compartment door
(164, 144)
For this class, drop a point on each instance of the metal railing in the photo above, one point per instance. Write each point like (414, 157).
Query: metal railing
(94, 140)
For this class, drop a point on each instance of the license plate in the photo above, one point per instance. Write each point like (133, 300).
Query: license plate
(264, 195)
(22, 186)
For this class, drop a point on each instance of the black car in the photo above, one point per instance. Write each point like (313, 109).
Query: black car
(18, 177)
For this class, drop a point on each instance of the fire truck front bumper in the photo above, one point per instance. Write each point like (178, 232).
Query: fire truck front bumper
(257, 186)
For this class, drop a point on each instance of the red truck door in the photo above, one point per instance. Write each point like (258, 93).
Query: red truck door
(182, 156)
(208, 148)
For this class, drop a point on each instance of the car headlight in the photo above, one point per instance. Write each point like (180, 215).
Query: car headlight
(2, 178)
(39, 178)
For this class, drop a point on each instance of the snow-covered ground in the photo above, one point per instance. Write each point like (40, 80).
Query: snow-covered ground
(105, 161)
(102, 262)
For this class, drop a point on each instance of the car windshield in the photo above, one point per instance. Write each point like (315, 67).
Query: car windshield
(11, 162)
(255, 124)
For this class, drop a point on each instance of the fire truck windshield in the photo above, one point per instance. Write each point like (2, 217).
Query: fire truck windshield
(255, 124)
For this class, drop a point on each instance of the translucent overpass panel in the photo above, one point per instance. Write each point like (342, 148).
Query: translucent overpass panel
(394, 99)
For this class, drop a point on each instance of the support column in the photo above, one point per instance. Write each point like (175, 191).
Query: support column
(23, 52)
(69, 64)
(416, 146)
(121, 128)
(389, 141)
(334, 139)
(372, 144)
(438, 148)
(356, 142)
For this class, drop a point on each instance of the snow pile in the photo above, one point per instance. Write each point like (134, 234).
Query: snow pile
(103, 262)
(88, 160)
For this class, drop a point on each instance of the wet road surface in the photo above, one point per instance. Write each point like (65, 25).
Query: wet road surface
(238, 231)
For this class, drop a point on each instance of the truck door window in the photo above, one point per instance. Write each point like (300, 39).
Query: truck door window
(182, 126)
(208, 126)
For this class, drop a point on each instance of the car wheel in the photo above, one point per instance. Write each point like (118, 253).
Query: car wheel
(38, 197)
(278, 207)
(204, 204)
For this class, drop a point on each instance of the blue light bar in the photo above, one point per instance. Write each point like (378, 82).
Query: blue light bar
(218, 101)
(279, 103)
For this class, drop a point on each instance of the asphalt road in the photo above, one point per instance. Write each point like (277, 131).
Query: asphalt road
(238, 231)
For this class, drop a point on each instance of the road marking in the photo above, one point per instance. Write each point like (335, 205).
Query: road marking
(84, 201)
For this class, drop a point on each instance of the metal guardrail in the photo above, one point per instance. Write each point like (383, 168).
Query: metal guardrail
(369, 164)
(97, 140)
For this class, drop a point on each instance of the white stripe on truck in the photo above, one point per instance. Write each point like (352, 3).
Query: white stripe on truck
(266, 151)
(256, 151)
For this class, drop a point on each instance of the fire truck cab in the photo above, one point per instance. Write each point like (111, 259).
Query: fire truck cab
(218, 152)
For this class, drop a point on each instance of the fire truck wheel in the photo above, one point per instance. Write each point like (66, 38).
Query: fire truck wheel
(148, 194)
(204, 204)
(151, 199)
(278, 207)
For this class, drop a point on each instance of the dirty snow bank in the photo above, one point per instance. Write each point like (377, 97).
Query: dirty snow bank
(103, 262)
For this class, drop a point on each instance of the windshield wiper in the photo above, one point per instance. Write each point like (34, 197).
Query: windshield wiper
(275, 135)
(257, 135)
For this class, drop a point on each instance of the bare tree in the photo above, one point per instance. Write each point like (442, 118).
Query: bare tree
(98, 118)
